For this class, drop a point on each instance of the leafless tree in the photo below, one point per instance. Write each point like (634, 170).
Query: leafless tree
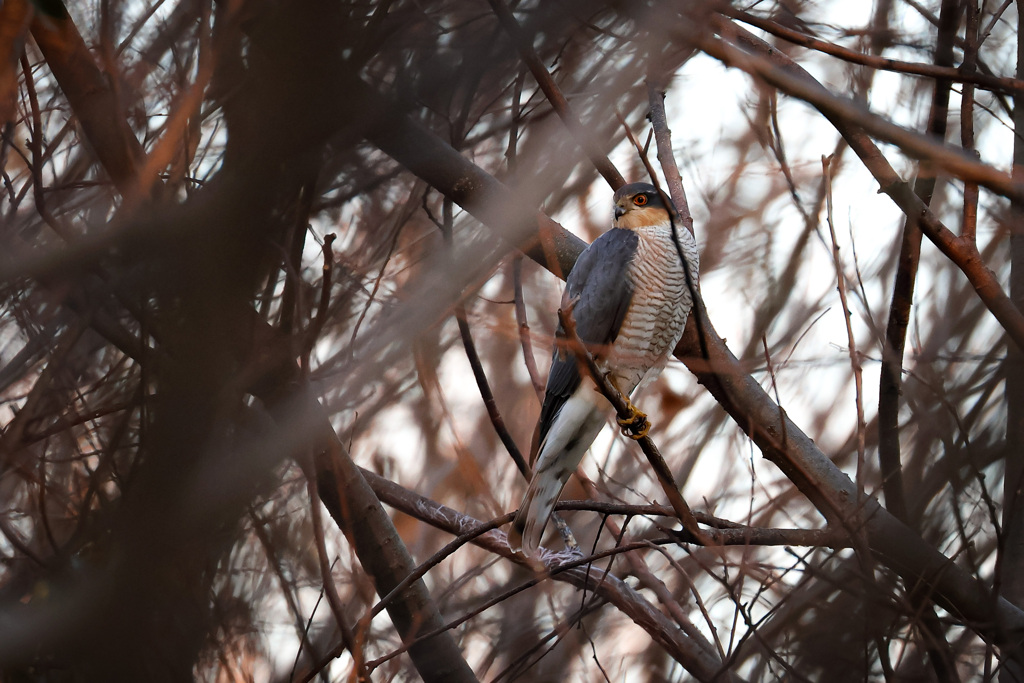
(279, 281)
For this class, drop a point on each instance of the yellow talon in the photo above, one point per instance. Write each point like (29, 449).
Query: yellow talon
(644, 428)
(636, 425)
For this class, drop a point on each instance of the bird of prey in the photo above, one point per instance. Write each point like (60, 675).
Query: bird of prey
(630, 300)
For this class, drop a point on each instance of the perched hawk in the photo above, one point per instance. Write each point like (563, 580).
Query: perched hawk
(631, 304)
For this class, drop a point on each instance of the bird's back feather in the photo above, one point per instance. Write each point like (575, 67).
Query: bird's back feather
(600, 281)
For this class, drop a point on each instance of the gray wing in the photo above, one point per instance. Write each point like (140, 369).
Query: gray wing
(600, 280)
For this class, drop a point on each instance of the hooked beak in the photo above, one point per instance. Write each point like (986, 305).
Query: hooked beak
(619, 211)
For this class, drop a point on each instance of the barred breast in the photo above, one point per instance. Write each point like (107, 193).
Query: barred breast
(659, 309)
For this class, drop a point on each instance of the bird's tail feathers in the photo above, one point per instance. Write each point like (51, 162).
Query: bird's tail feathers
(575, 427)
(532, 518)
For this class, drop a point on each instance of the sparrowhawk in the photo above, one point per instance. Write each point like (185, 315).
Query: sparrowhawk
(630, 300)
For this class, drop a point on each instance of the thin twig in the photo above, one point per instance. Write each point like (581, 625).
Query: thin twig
(996, 16)
(512, 150)
(36, 146)
(317, 326)
(864, 555)
(522, 663)
(511, 158)
(333, 599)
(779, 150)
(291, 300)
(663, 138)
(694, 592)
(855, 364)
(523, 324)
(968, 229)
(446, 225)
(399, 225)
(376, 283)
(486, 394)
(287, 588)
(775, 387)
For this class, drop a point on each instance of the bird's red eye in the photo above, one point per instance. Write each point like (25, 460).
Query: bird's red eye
(640, 199)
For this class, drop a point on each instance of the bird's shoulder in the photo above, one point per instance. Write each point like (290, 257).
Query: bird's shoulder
(607, 257)
(601, 286)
